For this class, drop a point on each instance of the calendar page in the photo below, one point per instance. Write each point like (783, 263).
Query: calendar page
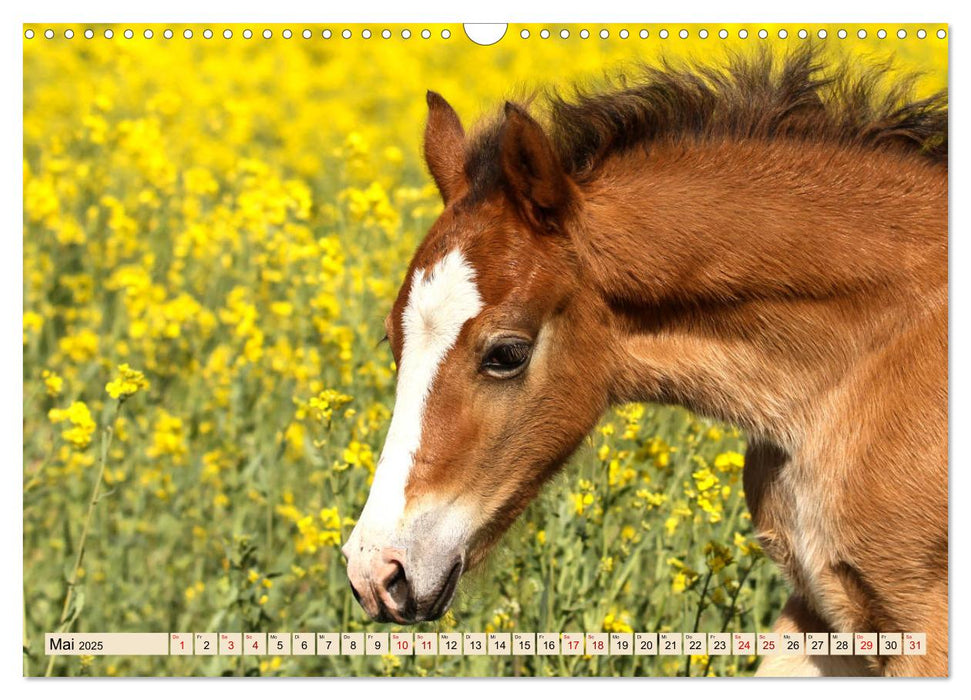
(485, 350)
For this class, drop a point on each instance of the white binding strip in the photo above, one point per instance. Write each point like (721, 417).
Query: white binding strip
(439, 304)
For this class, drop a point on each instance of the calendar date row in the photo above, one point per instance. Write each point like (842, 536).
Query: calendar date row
(487, 643)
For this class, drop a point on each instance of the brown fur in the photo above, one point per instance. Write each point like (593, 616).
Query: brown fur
(753, 98)
(759, 245)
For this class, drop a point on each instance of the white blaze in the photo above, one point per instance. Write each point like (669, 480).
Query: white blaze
(439, 304)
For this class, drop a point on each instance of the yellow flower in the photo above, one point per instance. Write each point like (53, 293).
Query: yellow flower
(359, 454)
(199, 181)
(705, 479)
(746, 546)
(322, 406)
(393, 154)
(82, 425)
(729, 462)
(53, 382)
(33, 322)
(271, 665)
(712, 507)
(617, 622)
(581, 501)
(282, 308)
(389, 662)
(80, 347)
(330, 518)
(653, 499)
(717, 556)
(294, 437)
(168, 438)
(127, 383)
(194, 590)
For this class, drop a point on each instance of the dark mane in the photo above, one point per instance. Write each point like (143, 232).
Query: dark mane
(757, 97)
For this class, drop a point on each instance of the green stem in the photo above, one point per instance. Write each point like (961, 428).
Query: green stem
(731, 608)
(106, 437)
(701, 608)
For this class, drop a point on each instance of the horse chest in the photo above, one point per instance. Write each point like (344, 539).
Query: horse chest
(792, 516)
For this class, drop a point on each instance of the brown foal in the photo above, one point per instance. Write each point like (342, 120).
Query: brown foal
(765, 244)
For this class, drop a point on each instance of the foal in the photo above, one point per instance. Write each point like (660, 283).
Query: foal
(758, 244)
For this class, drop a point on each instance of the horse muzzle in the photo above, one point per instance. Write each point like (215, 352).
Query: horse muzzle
(403, 584)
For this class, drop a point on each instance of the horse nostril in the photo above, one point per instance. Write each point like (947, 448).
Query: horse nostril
(395, 593)
(396, 584)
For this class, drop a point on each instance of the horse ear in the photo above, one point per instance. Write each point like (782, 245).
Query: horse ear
(533, 173)
(444, 146)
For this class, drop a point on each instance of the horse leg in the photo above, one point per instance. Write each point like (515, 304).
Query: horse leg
(797, 617)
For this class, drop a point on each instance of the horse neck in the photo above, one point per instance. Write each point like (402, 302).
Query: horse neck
(744, 280)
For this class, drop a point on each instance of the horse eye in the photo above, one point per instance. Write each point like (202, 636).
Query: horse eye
(507, 358)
